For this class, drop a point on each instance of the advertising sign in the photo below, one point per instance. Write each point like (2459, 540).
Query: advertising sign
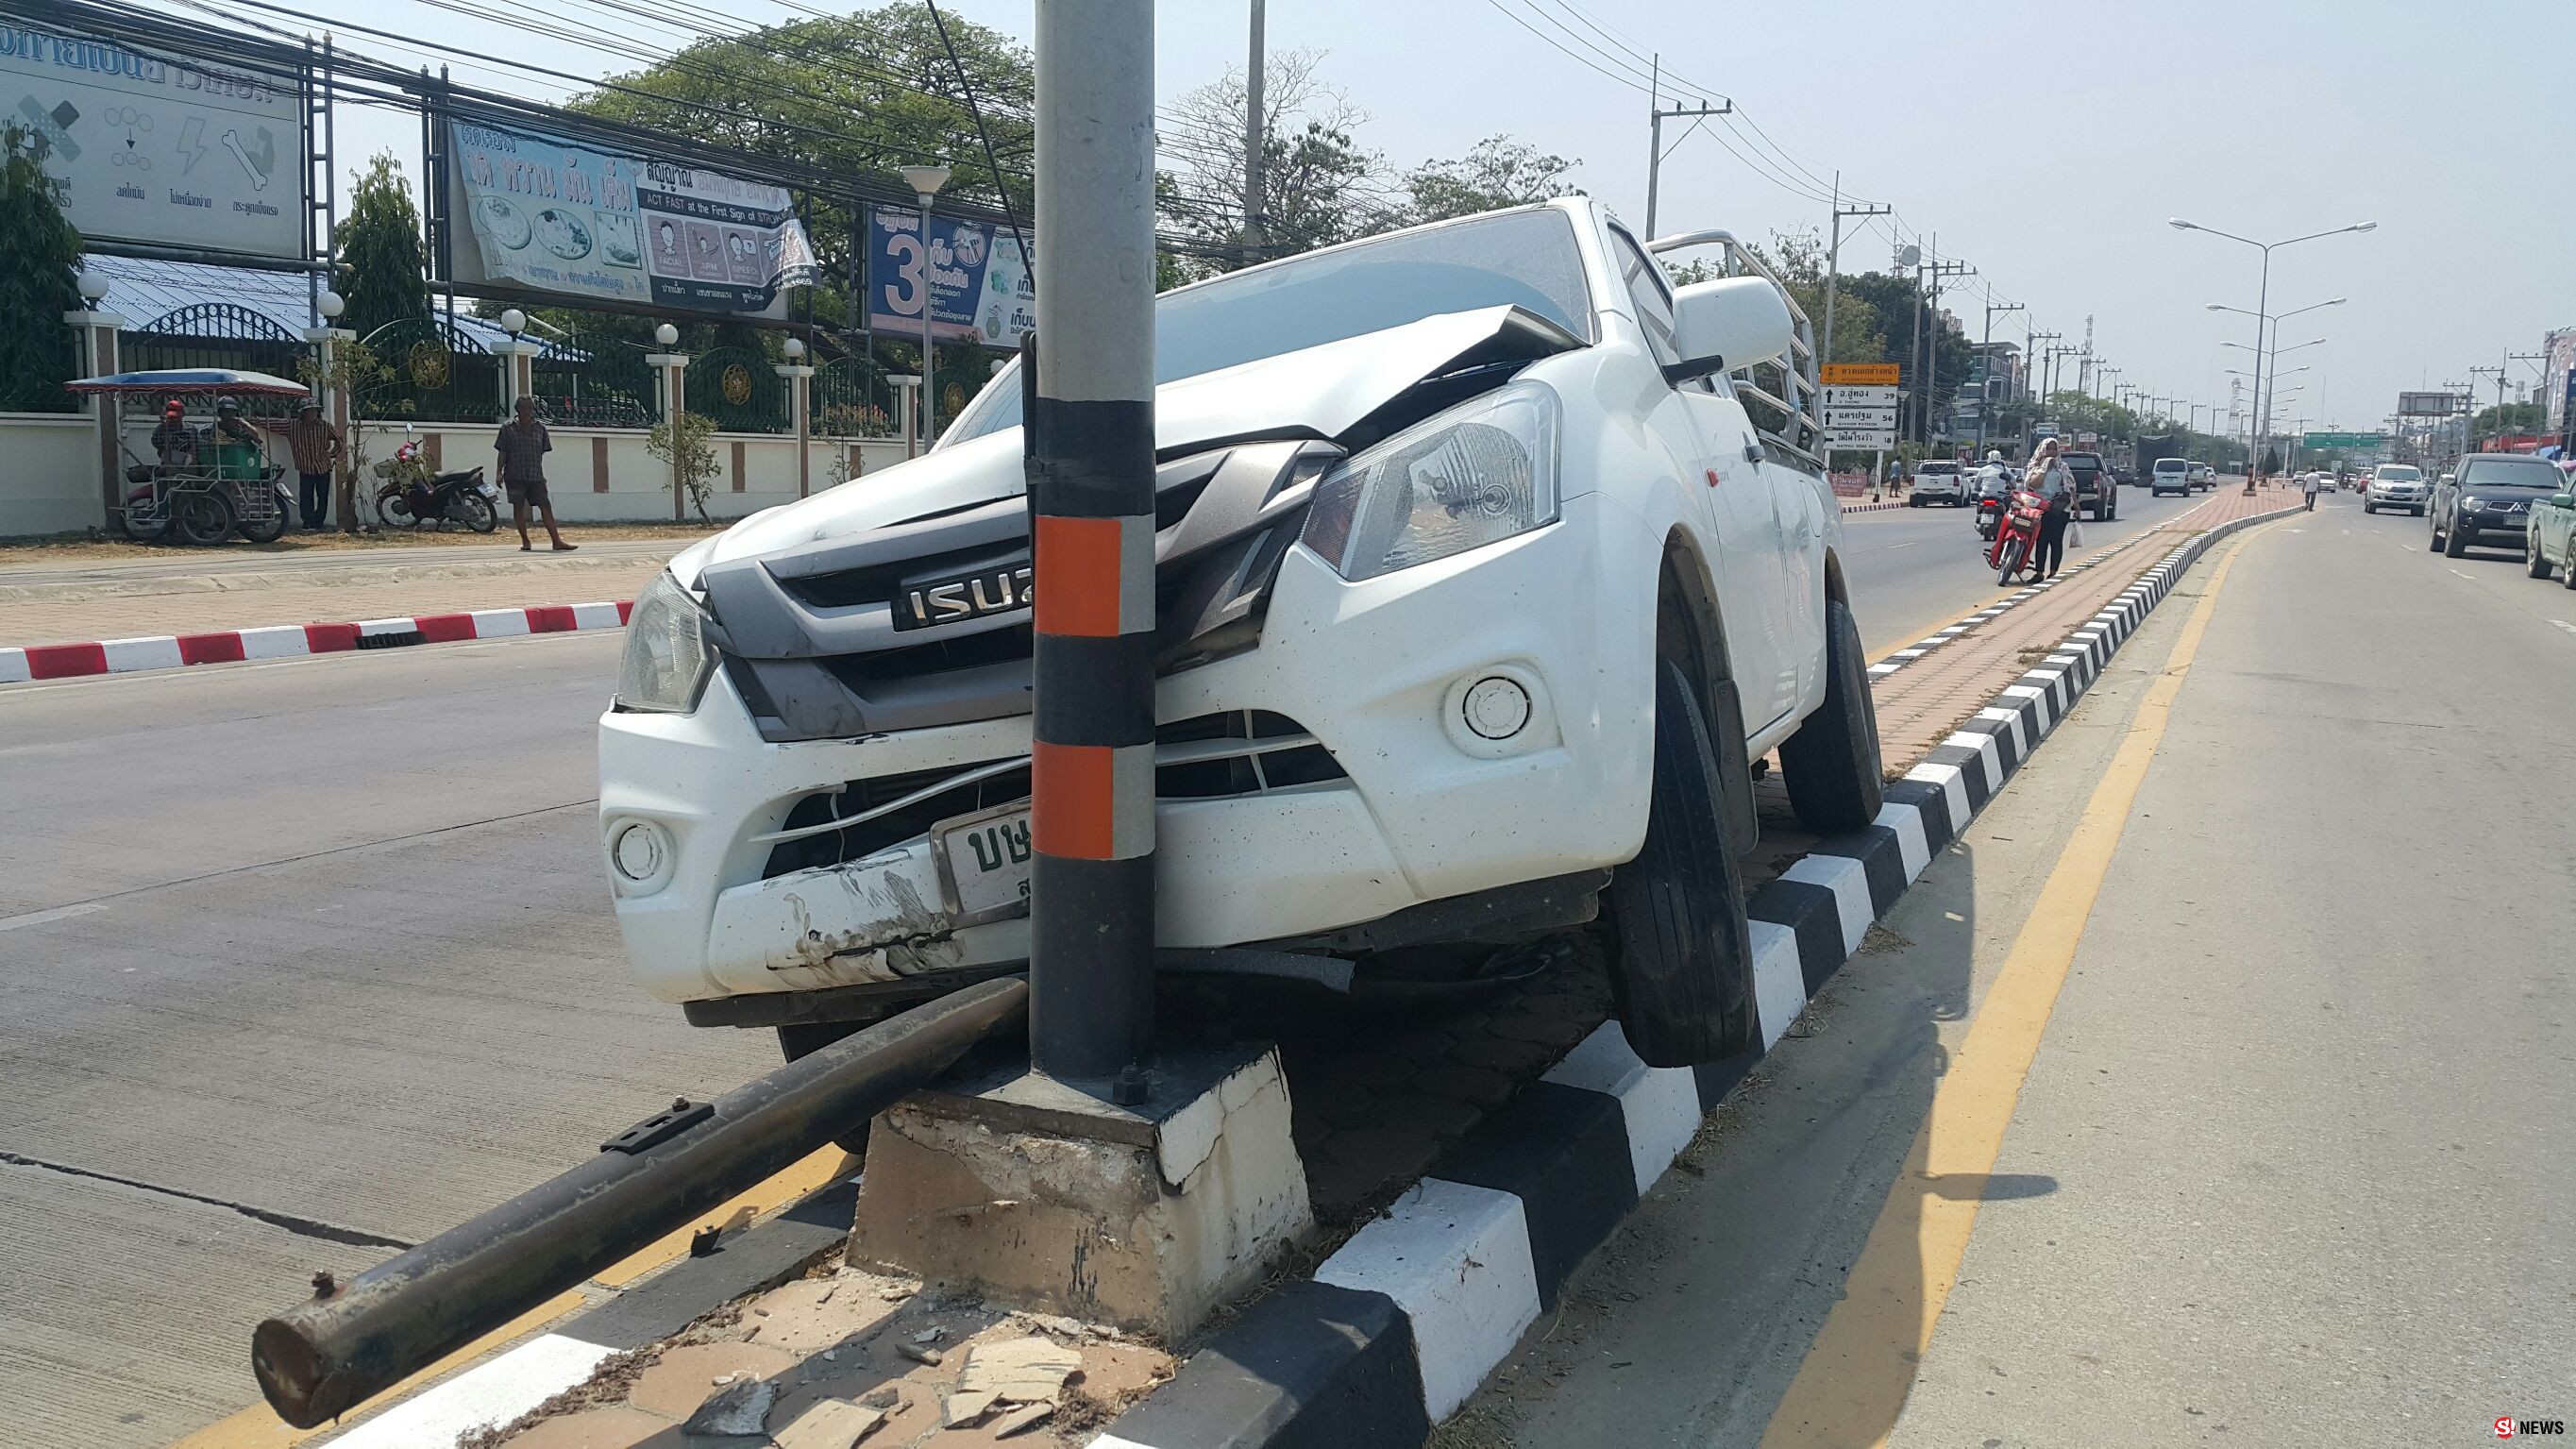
(2343, 440)
(2430, 404)
(160, 152)
(980, 288)
(575, 221)
(2558, 374)
(1862, 374)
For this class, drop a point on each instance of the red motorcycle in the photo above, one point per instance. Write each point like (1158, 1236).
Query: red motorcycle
(2017, 535)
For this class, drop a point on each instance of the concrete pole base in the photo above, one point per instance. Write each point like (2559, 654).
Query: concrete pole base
(1043, 1196)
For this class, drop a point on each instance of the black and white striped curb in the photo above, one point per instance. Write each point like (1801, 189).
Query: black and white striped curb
(1401, 1325)
(1898, 659)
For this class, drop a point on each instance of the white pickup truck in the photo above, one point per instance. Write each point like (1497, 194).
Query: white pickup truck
(1488, 562)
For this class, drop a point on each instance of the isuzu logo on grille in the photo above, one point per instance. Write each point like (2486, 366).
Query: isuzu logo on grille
(985, 592)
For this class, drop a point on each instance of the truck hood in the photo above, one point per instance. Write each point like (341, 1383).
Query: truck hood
(1331, 392)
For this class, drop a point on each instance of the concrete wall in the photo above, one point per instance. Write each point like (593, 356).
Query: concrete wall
(48, 473)
(48, 469)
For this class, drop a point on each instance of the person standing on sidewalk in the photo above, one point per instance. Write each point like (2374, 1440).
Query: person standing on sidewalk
(316, 446)
(523, 443)
(2049, 478)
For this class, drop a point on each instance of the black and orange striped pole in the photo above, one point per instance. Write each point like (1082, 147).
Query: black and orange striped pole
(1090, 449)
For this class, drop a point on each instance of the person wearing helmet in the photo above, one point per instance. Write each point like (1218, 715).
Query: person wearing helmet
(230, 425)
(174, 441)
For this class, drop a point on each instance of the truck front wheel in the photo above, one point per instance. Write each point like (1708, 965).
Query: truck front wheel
(1832, 761)
(1682, 972)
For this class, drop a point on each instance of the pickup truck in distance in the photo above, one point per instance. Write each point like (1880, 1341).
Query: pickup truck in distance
(2097, 493)
(1487, 562)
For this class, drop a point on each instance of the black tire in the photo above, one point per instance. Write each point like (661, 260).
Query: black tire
(2011, 565)
(2415, 512)
(2433, 541)
(2567, 565)
(1831, 764)
(201, 518)
(268, 530)
(808, 1037)
(2454, 543)
(392, 511)
(2534, 562)
(476, 512)
(1682, 973)
(150, 530)
(2368, 507)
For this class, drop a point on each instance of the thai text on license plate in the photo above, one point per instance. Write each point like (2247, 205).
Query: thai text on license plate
(986, 859)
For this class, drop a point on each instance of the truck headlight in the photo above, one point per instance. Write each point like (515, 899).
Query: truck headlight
(667, 660)
(1481, 472)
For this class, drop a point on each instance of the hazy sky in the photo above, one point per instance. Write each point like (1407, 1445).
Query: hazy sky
(2045, 143)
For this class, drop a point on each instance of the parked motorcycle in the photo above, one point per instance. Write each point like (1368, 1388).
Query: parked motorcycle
(413, 496)
(2016, 535)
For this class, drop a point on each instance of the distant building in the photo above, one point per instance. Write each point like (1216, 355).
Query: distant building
(2559, 350)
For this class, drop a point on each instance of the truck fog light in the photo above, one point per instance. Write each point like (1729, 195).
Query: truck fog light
(1500, 710)
(1496, 708)
(641, 852)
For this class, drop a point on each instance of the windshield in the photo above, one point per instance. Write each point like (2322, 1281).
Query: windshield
(2084, 462)
(2400, 474)
(2172, 465)
(1937, 468)
(2513, 473)
(1523, 258)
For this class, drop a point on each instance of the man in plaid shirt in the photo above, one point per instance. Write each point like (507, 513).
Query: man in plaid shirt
(316, 446)
(523, 443)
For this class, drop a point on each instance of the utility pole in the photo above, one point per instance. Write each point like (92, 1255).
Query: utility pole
(1927, 311)
(2084, 368)
(1088, 380)
(1656, 115)
(1256, 130)
(1833, 259)
(1986, 378)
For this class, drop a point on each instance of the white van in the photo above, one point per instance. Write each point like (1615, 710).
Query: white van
(2171, 475)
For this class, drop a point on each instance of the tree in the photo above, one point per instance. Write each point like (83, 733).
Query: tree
(382, 265)
(691, 438)
(1319, 185)
(355, 371)
(1497, 172)
(2521, 417)
(39, 259)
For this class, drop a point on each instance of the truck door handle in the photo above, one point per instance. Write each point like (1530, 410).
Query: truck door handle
(1752, 452)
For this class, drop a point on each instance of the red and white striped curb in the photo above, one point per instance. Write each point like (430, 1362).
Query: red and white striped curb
(287, 641)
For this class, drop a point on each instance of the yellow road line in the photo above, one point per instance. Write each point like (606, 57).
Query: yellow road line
(1852, 1384)
(258, 1427)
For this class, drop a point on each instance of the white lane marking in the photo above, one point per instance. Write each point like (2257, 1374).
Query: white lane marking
(58, 913)
(1909, 543)
(2563, 624)
(2456, 571)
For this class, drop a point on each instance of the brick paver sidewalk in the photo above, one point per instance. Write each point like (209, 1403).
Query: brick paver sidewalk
(343, 599)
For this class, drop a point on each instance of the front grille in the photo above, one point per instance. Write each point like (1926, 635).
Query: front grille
(1198, 764)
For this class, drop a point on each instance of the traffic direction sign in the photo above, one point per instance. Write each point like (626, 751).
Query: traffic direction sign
(1859, 397)
(2343, 440)
(1870, 419)
(1862, 374)
(1861, 440)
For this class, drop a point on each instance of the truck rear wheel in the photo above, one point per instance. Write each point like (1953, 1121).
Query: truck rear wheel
(1831, 763)
(1682, 973)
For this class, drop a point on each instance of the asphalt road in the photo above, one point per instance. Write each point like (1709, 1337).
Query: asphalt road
(306, 958)
(313, 956)
(2290, 1162)
(190, 564)
(1914, 570)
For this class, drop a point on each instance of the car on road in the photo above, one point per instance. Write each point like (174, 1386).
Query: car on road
(2097, 493)
(2490, 502)
(2170, 475)
(2396, 485)
(1938, 480)
(2549, 540)
(2203, 476)
(1479, 589)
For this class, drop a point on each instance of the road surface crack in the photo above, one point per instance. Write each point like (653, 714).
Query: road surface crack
(300, 1226)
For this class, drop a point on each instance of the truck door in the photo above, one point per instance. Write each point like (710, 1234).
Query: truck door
(1736, 506)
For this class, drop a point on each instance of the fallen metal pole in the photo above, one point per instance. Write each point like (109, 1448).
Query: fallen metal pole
(321, 1358)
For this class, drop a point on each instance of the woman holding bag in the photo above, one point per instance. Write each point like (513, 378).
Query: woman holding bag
(2049, 478)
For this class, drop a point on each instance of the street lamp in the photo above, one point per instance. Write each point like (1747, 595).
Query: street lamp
(2263, 297)
(925, 182)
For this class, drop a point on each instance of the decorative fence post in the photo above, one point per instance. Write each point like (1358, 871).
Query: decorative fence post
(98, 354)
(907, 416)
(800, 384)
(335, 406)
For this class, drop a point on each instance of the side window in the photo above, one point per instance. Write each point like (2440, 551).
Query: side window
(1647, 288)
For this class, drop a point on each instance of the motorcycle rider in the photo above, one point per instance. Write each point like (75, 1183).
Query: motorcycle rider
(1994, 486)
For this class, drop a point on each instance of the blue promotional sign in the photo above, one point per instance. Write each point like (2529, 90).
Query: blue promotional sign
(979, 286)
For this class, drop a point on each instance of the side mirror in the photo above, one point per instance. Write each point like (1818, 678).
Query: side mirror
(1729, 323)
(2562, 500)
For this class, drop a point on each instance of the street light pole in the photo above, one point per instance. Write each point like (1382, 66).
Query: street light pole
(1833, 259)
(925, 182)
(1986, 381)
(2262, 307)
